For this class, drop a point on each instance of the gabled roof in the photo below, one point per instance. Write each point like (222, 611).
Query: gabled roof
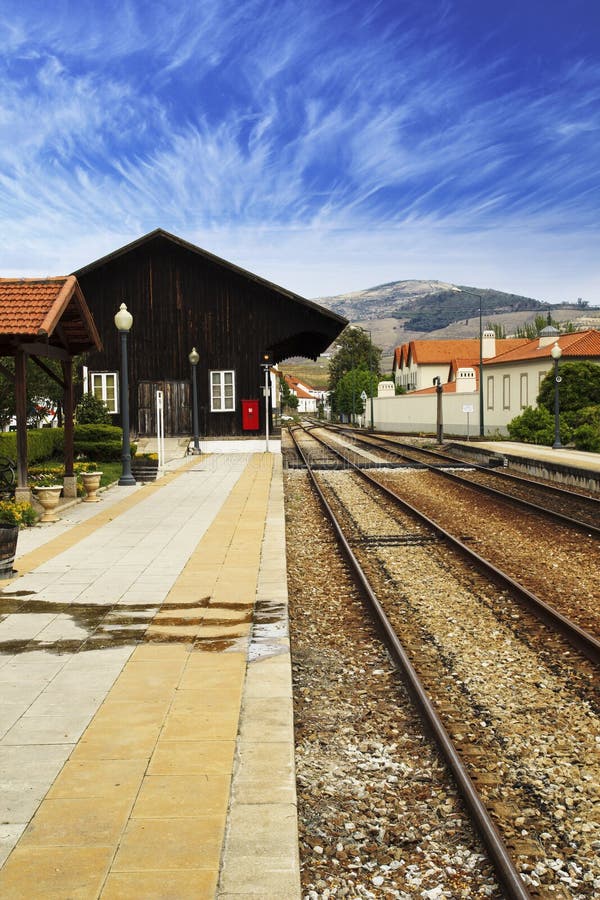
(46, 310)
(579, 345)
(435, 352)
(159, 235)
(300, 389)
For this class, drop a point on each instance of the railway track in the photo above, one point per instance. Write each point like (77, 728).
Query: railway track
(559, 567)
(491, 736)
(574, 509)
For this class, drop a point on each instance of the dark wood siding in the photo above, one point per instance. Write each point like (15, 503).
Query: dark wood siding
(180, 300)
(176, 407)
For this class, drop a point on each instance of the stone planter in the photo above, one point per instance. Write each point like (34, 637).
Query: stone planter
(144, 469)
(48, 498)
(91, 483)
(8, 547)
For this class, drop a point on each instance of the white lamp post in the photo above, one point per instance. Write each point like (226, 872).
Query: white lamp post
(124, 321)
(556, 354)
(194, 358)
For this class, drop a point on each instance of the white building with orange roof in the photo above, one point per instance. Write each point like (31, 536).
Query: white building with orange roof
(308, 397)
(512, 375)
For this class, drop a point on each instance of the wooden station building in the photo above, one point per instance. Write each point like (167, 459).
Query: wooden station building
(182, 297)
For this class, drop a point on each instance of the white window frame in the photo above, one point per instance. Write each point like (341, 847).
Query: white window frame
(102, 377)
(490, 392)
(506, 391)
(220, 405)
(524, 383)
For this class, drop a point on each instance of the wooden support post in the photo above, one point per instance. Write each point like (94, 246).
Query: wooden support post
(70, 482)
(22, 491)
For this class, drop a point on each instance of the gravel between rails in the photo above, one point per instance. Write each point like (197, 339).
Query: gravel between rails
(379, 816)
(529, 713)
(559, 565)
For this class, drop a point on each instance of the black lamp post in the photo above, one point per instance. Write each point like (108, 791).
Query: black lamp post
(124, 321)
(440, 421)
(556, 354)
(194, 358)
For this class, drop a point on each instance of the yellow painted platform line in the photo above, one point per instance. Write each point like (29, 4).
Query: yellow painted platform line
(139, 809)
(62, 542)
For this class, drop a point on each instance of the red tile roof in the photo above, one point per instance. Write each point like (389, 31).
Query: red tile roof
(444, 351)
(33, 307)
(577, 345)
(26, 302)
(298, 387)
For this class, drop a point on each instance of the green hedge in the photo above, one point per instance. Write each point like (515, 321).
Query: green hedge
(96, 442)
(42, 443)
(98, 433)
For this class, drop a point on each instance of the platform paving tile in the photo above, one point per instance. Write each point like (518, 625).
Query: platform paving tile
(76, 873)
(141, 810)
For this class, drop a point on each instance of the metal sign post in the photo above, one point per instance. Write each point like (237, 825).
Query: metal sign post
(160, 429)
(467, 408)
(266, 409)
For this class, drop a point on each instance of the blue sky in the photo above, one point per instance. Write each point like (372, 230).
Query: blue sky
(326, 145)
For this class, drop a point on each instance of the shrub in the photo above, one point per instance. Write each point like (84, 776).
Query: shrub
(42, 443)
(97, 441)
(21, 514)
(99, 450)
(586, 434)
(92, 411)
(536, 426)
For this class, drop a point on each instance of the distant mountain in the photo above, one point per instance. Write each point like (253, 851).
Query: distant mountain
(425, 306)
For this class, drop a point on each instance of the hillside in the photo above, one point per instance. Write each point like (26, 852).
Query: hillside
(426, 306)
(402, 311)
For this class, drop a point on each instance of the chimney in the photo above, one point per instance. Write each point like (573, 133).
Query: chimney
(465, 381)
(488, 344)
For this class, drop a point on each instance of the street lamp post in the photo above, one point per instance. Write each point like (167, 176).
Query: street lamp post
(556, 354)
(124, 321)
(440, 421)
(194, 358)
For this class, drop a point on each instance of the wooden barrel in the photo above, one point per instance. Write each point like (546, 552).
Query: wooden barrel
(8, 548)
(144, 470)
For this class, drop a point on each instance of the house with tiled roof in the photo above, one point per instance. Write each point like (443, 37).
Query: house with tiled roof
(307, 397)
(512, 379)
(417, 363)
(512, 376)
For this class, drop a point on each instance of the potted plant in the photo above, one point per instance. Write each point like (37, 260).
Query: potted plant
(47, 493)
(91, 483)
(12, 516)
(144, 466)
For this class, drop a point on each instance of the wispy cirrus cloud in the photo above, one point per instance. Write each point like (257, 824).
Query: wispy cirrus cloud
(278, 118)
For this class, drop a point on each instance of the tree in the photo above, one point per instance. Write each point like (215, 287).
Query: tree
(288, 400)
(579, 409)
(355, 350)
(579, 388)
(498, 329)
(348, 398)
(92, 411)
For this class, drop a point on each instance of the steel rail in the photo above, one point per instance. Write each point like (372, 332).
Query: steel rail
(585, 642)
(482, 488)
(499, 854)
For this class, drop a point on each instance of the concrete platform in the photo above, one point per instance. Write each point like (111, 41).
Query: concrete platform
(146, 732)
(575, 468)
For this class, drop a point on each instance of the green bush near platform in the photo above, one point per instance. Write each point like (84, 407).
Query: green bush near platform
(42, 443)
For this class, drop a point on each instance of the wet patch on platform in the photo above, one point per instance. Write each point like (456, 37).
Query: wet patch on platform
(270, 630)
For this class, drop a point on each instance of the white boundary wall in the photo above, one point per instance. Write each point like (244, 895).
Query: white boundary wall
(416, 413)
